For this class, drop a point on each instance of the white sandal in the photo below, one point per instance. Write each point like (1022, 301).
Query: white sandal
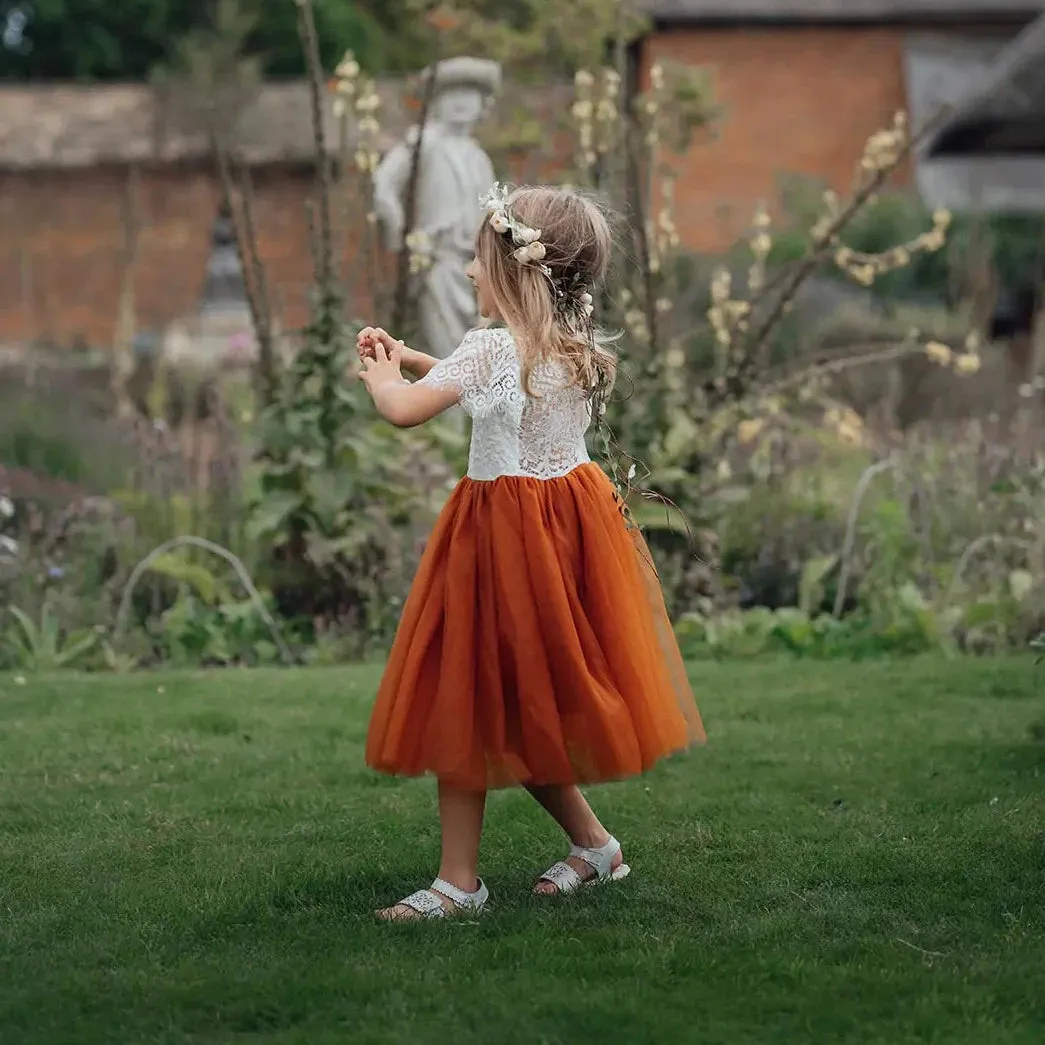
(566, 879)
(428, 903)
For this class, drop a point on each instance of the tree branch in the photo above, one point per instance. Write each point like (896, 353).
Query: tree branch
(401, 305)
(310, 41)
(760, 340)
(240, 201)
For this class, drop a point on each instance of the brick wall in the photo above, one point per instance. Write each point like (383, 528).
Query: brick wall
(797, 101)
(63, 251)
(63, 241)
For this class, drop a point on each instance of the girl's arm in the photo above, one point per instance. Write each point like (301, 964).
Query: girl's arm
(408, 405)
(399, 402)
(417, 363)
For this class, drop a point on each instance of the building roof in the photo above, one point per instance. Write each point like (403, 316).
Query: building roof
(1004, 113)
(50, 126)
(740, 11)
(45, 126)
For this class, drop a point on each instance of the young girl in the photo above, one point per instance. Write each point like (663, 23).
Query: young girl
(534, 648)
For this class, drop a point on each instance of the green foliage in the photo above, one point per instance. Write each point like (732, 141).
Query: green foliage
(533, 38)
(44, 645)
(195, 632)
(901, 621)
(342, 495)
(938, 555)
(178, 567)
(1037, 644)
(91, 40)
(913, 627)
(1014, 242)
(54, 428)
(41, 449)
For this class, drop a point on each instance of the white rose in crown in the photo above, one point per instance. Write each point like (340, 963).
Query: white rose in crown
(529, 236)
(536, 251)
(499, 222)
(587, 303)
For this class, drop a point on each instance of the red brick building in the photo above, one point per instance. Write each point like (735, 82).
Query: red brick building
(802, 85)
(87, 171)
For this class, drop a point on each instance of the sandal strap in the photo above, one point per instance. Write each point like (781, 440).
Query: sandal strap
(461, 900)
(426, 903)
(600, 860)
(429, 902)
(563, 877)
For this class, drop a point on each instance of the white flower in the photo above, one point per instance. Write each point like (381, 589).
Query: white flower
(419, 240)
(589, 309)
(527, 235)
(348, 67)
(532, 252)
(586, 298)
(939, 353)
(8, 545)
(494, 199)
(499, 222)
(369, 103)
(366, 161)
(7, 509)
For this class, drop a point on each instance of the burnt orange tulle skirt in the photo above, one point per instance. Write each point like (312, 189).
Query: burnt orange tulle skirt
(534, 647)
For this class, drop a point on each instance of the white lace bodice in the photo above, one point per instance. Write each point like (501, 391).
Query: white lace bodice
(540, 435)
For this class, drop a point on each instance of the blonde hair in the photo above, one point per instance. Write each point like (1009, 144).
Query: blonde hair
(542, 304)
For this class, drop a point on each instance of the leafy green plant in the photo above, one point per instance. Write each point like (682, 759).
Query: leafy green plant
(193, 633)
(342, 500)
(914, 627)
(1038, 645)
(193, 582)
(43, 645)
(177, 567)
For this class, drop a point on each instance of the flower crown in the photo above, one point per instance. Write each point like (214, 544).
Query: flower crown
(529, 250)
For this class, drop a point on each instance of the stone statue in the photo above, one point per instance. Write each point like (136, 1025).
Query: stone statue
(453, 172)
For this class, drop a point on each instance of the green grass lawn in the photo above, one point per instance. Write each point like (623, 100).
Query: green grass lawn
(857, 856)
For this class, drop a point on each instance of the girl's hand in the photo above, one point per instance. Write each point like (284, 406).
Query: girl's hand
(397, 400)
(369, 337)
(382, 364)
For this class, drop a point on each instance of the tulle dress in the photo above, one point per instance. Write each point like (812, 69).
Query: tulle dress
(534, 647)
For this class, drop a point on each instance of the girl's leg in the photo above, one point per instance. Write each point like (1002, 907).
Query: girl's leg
(461, 819)
(570, 810)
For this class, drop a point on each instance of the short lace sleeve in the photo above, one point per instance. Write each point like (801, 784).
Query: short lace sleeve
(483, 371)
